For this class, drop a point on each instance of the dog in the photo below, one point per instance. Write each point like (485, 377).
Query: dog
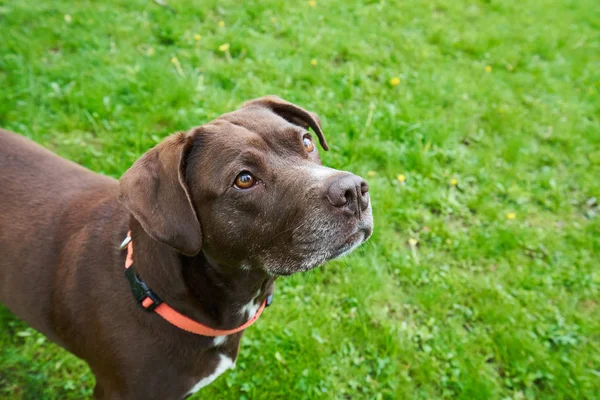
(208, 219)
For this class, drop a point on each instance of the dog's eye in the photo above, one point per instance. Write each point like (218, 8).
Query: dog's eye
(245, 180)
(308, 143)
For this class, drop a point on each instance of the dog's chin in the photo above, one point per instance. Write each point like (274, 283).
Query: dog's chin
(355, 240)
(321, 256)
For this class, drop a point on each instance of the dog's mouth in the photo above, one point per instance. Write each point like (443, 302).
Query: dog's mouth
(351, 243)
(313, 250)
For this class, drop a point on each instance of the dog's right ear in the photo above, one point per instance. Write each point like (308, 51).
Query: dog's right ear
(155, 192)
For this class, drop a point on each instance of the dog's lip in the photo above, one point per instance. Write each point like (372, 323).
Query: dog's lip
(354, 237)
(353, 241)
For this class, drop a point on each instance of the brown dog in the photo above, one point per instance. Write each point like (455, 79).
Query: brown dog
(216, 214)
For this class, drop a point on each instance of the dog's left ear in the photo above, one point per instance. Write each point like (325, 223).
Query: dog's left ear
(292, 113)
(155, 192)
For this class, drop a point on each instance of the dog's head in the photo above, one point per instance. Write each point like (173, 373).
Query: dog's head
(249, 190)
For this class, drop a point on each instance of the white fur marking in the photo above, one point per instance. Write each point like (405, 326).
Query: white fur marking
(320, 172)
(224, 364)
(250, 309)
(219, 340)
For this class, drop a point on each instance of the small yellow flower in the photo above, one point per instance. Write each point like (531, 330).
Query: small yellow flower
(68, 18)
(412, 242)
(371, 173)
(221, 24)
(401, 178)
(312, 3)
(313, 62)
(150, 51)
(454, 181)
(174, 60)
(395, 81)
(511, 215)
(509, 67)
(197, 37)
(488, 68)
(224, 47)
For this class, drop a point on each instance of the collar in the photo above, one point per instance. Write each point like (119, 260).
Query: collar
(151, 302)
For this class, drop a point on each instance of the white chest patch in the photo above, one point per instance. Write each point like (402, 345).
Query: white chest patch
(223, 365)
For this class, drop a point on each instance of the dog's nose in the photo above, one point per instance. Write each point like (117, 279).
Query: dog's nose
(349, 192)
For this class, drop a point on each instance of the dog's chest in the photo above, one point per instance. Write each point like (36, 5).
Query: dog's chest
(223, 363)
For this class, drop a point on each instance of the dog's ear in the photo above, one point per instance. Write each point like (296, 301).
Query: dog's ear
(155, 192)
(292, 113)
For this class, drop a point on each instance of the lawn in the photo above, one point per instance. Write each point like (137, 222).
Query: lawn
(476, 124)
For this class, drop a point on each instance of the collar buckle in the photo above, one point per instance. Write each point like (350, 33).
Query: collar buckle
(144, 296)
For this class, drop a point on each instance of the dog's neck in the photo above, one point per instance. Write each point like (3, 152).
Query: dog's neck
(219, 296)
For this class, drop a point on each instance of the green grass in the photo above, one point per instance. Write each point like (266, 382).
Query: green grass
(503, 96)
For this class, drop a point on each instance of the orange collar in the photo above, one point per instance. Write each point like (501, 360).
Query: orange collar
(151, 302)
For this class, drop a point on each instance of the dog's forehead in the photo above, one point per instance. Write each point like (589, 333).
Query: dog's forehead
(260, 120)
(257, 127)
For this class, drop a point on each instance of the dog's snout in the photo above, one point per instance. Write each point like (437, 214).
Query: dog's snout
(349, 192)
